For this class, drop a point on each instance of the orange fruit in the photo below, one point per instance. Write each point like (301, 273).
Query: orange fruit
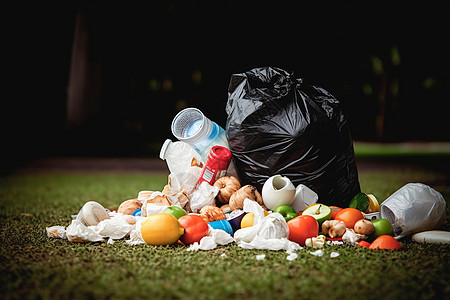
(385, 242)
(349, 216)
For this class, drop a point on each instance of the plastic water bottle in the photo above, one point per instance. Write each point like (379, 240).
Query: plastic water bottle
(192, 127)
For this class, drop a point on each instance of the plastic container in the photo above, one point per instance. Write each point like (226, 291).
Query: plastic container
(192, 127)
(235, 221)
(216, 165)
(179, 156)
(223, 225)
(276, 191)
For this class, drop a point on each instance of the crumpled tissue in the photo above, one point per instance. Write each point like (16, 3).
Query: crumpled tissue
(56, 232)
(115, 228)
(209, 242)
(204, 195)
(270, 232)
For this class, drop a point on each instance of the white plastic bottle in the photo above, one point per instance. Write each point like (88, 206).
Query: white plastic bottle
(192, 127)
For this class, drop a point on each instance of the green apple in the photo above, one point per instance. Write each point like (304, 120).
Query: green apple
(175, 211)
(319, 211)
(286, 211)
(382, 227)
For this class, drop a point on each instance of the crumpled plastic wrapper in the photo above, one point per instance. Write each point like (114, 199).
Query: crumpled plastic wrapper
(204, 195)
(270, 232)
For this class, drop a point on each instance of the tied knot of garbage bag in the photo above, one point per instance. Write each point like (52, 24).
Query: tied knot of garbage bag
(279, 124)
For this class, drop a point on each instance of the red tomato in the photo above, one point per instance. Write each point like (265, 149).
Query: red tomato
(195, 228)
(364, 244)
(334, 211)
(301, 228)
(385, 242)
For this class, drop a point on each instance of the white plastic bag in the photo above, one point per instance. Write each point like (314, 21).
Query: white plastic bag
(179, 156)
(185, 165)
(413, 208)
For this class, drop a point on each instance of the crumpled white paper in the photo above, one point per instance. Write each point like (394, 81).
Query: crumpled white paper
(78, 232)
(115, 228)
(204, 195)
(209, 242)
(292, 255)
(184, 182)
(135, 234)
(317, 253)
(334, 254)
(269, 232)
(56, 232)
(352, 238)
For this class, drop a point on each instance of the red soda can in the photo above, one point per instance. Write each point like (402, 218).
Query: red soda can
(216, 164)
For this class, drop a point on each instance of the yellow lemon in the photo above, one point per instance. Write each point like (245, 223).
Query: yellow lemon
(374, 206)
(249, 219)
(161, 229)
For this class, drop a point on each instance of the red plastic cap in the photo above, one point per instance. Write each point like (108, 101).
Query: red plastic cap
(221, 152)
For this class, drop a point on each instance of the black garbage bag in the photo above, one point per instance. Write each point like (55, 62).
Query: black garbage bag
(278, 124)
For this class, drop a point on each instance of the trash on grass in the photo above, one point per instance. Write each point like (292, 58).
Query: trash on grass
(413, 208)
(317, 252)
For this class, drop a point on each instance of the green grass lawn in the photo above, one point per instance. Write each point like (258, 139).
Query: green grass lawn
(34, 266)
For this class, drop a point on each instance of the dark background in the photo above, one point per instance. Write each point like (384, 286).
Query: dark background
(105, 78)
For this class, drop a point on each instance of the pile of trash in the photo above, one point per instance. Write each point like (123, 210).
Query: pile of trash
(281, 176)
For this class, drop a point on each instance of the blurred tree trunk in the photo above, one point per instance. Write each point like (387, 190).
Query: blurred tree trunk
(84, 87)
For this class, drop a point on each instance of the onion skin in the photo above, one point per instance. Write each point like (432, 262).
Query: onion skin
(227, 185)
(247, 191)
